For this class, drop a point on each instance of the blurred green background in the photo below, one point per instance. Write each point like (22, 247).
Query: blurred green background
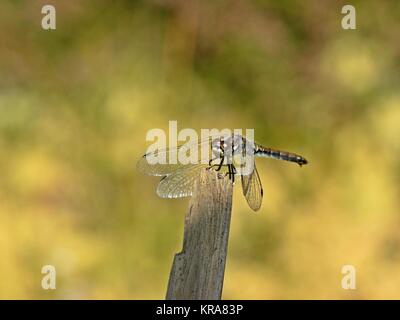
(76, 104)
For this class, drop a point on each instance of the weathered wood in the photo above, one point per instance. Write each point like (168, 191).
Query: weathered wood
(198, 270)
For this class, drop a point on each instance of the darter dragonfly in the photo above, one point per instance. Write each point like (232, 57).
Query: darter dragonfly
(233, 155)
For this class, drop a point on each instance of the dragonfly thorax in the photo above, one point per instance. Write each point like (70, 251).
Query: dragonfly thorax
(231, 146)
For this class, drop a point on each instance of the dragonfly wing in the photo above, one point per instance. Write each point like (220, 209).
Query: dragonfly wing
(180, 183)
(157, 169)
(252, 189)
(165, 166)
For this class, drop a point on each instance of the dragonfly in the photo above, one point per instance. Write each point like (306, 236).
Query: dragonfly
(232, 155)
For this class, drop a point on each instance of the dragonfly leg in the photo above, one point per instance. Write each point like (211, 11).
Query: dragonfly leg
(222, 157)
(229, 172)
(210, 165)
(221, 163)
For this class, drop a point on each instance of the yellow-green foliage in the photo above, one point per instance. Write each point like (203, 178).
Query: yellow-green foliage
(76, 103)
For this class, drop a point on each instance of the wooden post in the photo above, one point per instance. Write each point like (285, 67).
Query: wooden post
(198, 271)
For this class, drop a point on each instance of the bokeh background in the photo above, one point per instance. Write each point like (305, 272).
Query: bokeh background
(76, 104)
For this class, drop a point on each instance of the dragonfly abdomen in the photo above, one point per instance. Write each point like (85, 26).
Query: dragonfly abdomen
(280, 155)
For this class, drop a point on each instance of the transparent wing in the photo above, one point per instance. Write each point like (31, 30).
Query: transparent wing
(164, 157)
(252, 189)
(180, 183)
